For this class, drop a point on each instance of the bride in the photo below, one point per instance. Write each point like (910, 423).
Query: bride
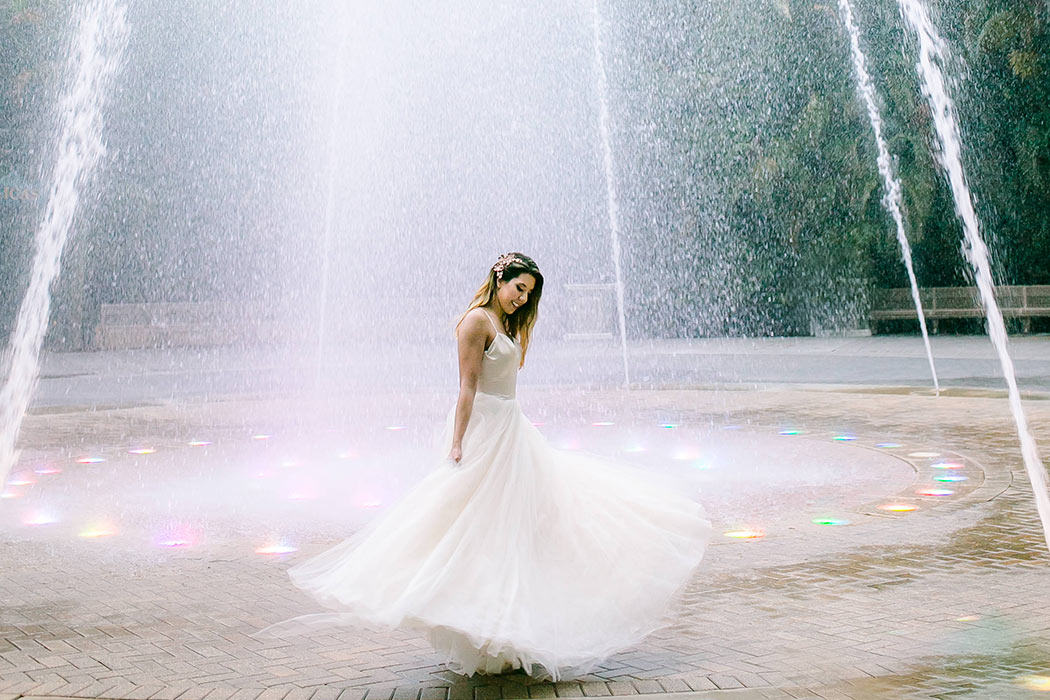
(513, 554)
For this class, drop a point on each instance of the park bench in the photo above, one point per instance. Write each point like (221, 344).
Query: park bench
(183, 324)
(1023, 302)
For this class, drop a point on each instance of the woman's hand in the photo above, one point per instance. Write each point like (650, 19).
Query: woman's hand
(456, 453)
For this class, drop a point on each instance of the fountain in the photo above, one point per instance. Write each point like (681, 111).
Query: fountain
(932, 54)
(97, 51)
(893, 198)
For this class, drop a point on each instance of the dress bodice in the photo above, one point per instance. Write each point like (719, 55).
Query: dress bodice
(499, 365)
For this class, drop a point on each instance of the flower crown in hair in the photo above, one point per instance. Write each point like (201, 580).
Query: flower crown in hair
(505, 260)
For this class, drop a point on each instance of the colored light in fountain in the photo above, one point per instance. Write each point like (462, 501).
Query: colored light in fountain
(273, 549)
(602, 423)
(96, 533)
(968, 618)
(261, 436)
(888, 445)
(142, 451)
(744, 534)
(790, 432)
(731, 427)
(9, 495)
(90, 460)
(668, 425)
(935, 492)
(830, 521)
(924, 454)
(844, 438)
(40, 519)
(396, 427)
(949, 478)
(21, 481)
(947, 465)
(48, 470)
(898, 507)
(199, 443)
(1035, 682)
(538, 423)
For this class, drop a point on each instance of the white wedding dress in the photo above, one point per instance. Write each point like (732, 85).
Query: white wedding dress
(522, 555)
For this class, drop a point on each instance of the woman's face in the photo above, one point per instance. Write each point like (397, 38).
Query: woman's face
(512, 294)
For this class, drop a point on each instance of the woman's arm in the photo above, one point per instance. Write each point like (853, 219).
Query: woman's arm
(473, 332)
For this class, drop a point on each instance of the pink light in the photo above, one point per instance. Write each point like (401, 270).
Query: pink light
(935, 492)
(90, 460)
(175, 543)
(947, 465)
(199, 443)
(261, 436)
(48, 470)
(538, 423)
(21, 481)
(396, 427)
(602, 423)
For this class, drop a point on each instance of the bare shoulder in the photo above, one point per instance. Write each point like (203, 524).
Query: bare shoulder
(474, 325)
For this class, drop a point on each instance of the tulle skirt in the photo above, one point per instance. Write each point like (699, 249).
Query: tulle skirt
(522, 555)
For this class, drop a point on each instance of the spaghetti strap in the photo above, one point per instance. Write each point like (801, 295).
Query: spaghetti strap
(498, 331)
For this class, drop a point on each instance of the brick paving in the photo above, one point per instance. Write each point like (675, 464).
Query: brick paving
(949, 600)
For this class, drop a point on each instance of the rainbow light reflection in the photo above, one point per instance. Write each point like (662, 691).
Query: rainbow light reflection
(21, 481)
(276, 549)
(744, 534)
(47, 470)
(261, 436)
(142, 451)
(935, 492)
(924, 454)
(888, 445)
(1035, 682)
(844, 438)
(199, 443)
(90, 460)
(898, 507)
(790, 432)
(951, 477)
(396, 427)
(9, 494)
(40, 519)
(96, 533)
(829, 521)
(602, 423)
(947, 465)
(968, 618)
(668, 425)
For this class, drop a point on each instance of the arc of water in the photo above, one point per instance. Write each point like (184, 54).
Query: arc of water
(932, 54)
(611, 199)
(893, 198)
(98, 48)
(329, 208)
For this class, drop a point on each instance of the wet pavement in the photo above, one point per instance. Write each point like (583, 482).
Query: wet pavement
(900, 553)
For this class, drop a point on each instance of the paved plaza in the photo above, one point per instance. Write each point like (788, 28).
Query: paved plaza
(900, 553)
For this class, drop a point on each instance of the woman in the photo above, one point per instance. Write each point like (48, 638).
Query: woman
(514, 554)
